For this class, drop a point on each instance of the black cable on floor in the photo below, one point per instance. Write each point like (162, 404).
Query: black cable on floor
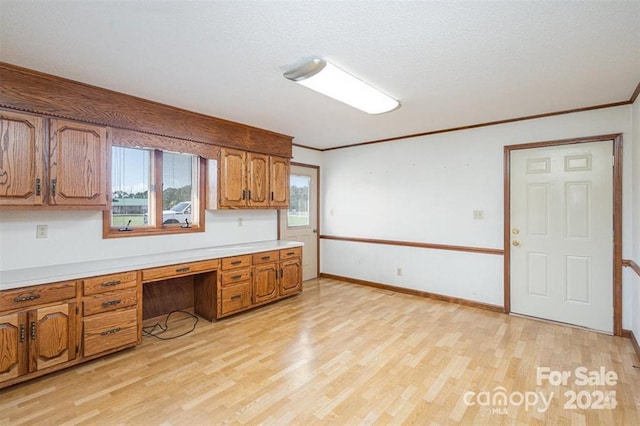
(165, 327)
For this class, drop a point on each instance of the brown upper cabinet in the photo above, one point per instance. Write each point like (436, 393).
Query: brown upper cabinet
(251, 180)
(77, 164)
(21, 159)
(68, 169)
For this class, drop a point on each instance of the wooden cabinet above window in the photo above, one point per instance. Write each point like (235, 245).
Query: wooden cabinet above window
(248, 180)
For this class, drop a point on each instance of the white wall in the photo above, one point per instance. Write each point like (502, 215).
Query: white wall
(425, 189)
(76, 236)
(634, 280)
(311, 157)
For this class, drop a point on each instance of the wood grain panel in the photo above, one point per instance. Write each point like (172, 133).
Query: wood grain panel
(21, 159)
(258, 180)
(110, 301)
(33, 91)
(236, 276)
(180, 269)
(106, 283)
(161, 297)
(36, 295)
(133, 139)
(205, 295)
(235, 298)
(77, 164)
(110, 330)
(236, 262)
(13, 346)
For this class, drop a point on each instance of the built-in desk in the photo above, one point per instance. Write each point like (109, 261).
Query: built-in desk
(57, 316)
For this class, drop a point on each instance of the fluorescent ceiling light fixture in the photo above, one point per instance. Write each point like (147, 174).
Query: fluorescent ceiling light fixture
(330, 80)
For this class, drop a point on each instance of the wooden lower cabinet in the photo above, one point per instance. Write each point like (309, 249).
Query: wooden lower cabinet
(235, 298)
(37, 339)
(290, 277)
(111, 330)
(265, 282)
(110, 313)
(48, 327)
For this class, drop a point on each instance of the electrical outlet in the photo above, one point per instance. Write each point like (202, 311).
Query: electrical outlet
(42, 231)
(478, 214)
(240, 222)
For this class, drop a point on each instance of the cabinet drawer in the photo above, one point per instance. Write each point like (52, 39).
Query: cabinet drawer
(235, 298)
(266, 257)
(236, 262)
(36, 295)
(179, 270)
(290, 253)
(237, 276)
(109, 301)
(110, 330)
(105, 283)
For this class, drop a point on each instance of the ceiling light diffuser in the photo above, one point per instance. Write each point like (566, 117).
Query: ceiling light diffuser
(326, 78)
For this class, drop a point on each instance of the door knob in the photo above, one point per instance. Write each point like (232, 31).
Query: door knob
(515, 243)
(515, 231)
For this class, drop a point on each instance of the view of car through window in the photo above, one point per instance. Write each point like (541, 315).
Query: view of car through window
(180, 213)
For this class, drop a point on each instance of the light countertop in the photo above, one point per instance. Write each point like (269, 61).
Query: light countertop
(16, 278)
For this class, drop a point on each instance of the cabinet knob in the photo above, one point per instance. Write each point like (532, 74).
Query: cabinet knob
(515, 243)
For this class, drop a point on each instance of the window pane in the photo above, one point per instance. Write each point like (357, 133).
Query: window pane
(299, 201)
(130, 174)
(179, 179)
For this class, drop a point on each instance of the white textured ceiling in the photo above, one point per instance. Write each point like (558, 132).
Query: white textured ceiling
(449, 63)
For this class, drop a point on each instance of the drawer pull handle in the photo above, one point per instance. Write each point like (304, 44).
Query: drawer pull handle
(38, 187)
(265, 257)
(185, 269)
(112, 331)
(111, 283)
(236, 262)
(33, 330)
(291, 253)
(23, 333)
(110, 303)
(236, 297)
(236, 277)
(26, 298)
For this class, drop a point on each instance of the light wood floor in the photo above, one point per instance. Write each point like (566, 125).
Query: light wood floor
(338, 354)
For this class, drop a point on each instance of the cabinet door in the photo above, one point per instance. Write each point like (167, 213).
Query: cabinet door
(21, 159)
(233, 171)
(290, 277)
(52, 336)
(279, 182)
(13, 346)
(77, 164)
(265, 280)
(258, 180)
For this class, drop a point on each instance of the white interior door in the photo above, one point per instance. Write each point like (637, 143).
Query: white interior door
(300, 222)
(562, 233)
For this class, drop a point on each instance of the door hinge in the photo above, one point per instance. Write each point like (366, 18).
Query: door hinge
(613, 160)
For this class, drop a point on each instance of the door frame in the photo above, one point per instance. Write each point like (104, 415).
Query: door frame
(311, 166)
(617, 217)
